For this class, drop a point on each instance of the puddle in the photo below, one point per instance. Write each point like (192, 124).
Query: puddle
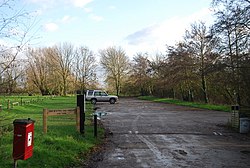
(100, 114)
(120, 158)
(182, 152)
(118, 155)
(245, 152)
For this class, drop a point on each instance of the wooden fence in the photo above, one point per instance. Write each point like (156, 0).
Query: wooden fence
(47, 113)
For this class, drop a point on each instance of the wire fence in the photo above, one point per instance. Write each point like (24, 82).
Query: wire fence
(10, 102)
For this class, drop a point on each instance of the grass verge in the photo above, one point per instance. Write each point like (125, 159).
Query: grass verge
(189, 104)
(62, 146)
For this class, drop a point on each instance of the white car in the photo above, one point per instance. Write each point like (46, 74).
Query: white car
(100, 96)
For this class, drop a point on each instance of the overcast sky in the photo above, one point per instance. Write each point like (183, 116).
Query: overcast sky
(135, 25)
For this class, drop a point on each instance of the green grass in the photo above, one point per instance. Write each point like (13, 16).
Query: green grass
(189, 104)
(62, 146)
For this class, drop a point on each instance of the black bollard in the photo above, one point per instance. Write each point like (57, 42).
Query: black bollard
(95, 126)
(80, 104)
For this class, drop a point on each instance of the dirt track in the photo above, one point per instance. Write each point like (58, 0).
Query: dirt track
(146, 134)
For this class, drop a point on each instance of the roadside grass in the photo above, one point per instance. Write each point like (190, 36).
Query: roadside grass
(62, 146)
(189, 104)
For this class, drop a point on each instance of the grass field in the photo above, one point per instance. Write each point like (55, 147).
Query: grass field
(190, 104)
(62, 146)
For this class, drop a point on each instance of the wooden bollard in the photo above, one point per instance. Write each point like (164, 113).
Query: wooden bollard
(8, 104)
(45, 115)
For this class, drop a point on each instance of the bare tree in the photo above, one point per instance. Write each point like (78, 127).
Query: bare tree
(140, 73)
(202, 43)
(116, 64)
(16, 31)
(182, 77)
(158, 72)
(14, 71)
(61, 60)
(233, 27)
(85, 67)
(38, 69)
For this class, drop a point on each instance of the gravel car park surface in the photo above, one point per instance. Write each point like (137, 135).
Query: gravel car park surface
(147, 134)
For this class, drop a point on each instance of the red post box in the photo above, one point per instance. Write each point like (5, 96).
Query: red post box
(23, 139)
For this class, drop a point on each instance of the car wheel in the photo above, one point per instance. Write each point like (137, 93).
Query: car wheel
(112, 101)
(93, 101)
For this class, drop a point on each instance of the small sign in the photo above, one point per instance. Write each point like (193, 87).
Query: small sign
(29, 139)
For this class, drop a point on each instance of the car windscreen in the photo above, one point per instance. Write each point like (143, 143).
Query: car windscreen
(90, 92)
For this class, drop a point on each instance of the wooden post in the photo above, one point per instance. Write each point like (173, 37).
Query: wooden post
(8, 104)
(21, 101)
(15, 164)
(45, 114)
(78, 119)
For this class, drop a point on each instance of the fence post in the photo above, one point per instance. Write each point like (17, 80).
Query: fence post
(78, 119)
(21, 101)
(8, 104)
(45, 114)
(15, 164)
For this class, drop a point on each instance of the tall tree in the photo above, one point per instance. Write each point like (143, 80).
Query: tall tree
(61, 60)
(139, 74)
(116, 64)
(15, 31)
(202, 43)
(233, 27)
(38, 70)
(10, 77)
(158, 72)
(85, 67)
(182, 68)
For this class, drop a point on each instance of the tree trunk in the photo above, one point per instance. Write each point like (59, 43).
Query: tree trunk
(204, 88)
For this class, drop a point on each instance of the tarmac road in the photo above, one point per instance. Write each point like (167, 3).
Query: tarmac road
(156, 135)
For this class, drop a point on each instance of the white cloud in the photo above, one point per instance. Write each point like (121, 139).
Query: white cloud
(95, 17)
(88, 10)
(43, 4)
(67, 19)
(54, 3)
(112, 7)
(155, 37)
(39, 1)
(51, 27)
(81, 3)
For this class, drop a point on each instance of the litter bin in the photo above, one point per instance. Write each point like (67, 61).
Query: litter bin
(23, 139)
(244, 125)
